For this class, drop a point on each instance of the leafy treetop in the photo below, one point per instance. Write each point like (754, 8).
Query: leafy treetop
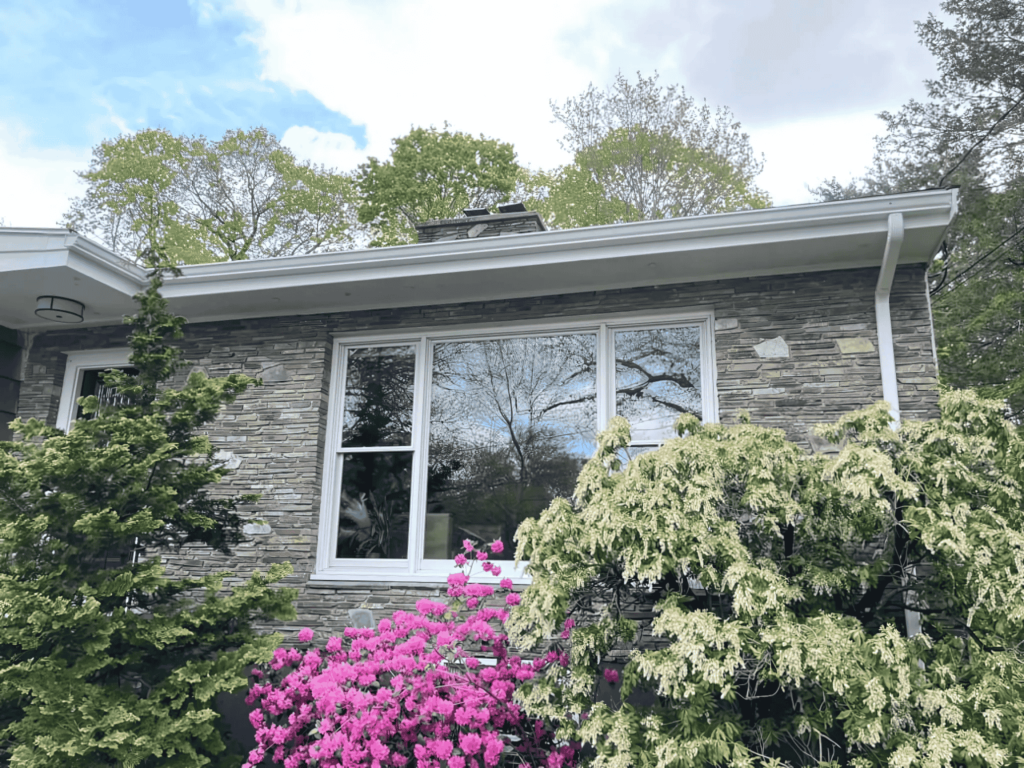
(245, 196)
(433, 174)
(641, 152)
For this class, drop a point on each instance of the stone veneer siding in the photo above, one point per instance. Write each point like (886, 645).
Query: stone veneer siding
(467, 227)
(274, 435)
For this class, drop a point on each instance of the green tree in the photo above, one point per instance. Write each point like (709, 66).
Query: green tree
(644, 152)
(969, 132)
(103, 659)
(433, 174)
(242, 197)
(759, 599)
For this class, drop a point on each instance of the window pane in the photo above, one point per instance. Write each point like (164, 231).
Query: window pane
(378, 396)
(657, 378)
(92, 384)
(374, 508)
(511, 423)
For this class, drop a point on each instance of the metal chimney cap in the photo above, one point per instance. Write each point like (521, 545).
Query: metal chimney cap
(512, 208)
(476, 212)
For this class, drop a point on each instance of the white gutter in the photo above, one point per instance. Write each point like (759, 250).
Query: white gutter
(883, 320)
(887, 357)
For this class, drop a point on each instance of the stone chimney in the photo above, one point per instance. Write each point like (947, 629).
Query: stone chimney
(513, 219)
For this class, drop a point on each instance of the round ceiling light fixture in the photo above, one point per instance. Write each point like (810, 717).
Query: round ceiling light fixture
(60, 309)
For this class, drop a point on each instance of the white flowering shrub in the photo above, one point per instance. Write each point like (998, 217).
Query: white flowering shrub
(760, 598)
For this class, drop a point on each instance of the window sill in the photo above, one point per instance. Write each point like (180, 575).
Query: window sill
(338, 582)
(335, 580)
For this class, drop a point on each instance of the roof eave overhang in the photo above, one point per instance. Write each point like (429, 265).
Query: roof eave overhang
(825, 236)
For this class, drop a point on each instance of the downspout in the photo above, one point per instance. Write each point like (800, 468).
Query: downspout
(883, 320)
(887, 356)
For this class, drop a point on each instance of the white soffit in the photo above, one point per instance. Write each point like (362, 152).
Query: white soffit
(806, 238)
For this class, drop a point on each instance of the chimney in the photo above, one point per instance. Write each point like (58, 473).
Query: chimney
(513, 219)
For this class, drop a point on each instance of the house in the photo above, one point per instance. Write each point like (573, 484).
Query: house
(418, 395)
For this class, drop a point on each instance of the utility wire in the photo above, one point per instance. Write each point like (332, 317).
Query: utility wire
(953, 284)
(981, 141)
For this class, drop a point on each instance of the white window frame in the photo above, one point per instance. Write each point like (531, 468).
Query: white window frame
(416, 569)
(77, 364)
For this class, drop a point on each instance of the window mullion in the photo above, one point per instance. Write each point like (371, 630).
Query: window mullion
(605, 376)
(420, 446)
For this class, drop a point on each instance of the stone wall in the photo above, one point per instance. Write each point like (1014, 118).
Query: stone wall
(791, 350)
(491, 225)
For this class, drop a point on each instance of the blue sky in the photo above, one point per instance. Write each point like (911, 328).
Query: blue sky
(337, 80)
(127, 65)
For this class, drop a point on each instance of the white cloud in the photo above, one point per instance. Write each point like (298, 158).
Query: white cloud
(485, 68)
(335, 150)
(811, 151)
(388, 65)
(491, 69)
(37, 183)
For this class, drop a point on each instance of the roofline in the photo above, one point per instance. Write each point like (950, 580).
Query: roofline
(931, 210)
(778, 223)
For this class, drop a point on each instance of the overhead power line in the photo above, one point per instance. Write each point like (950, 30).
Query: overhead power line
(954, 284)
(981, 141)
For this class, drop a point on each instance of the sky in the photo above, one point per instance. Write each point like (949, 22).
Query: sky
(337, 80)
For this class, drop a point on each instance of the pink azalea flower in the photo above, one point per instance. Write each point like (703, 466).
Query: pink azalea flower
(460, 560)
(497, 547)
(436, 697)
(470, 743)
(611, 676)
(442, 748)
(467, 545)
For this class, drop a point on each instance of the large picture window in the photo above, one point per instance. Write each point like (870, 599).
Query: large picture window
(438, 437)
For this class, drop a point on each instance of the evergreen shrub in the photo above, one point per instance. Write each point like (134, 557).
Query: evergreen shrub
(104, 660)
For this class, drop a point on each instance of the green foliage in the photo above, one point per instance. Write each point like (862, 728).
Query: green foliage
(968, 132)
(103, 659)
(643, 152)
(197, 201)
(433, 174)
(763, 595)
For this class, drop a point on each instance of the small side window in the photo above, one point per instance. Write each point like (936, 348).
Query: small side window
(82, 377)
(92, 384)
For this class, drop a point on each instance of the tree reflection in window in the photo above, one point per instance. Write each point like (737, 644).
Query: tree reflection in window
(378, 396)
(511, 423)
(374, 520)
(377, 453)
(657, 378)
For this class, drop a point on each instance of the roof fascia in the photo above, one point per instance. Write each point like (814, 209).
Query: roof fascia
(822, 220)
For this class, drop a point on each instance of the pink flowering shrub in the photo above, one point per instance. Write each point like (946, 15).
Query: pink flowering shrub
(428, 689)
